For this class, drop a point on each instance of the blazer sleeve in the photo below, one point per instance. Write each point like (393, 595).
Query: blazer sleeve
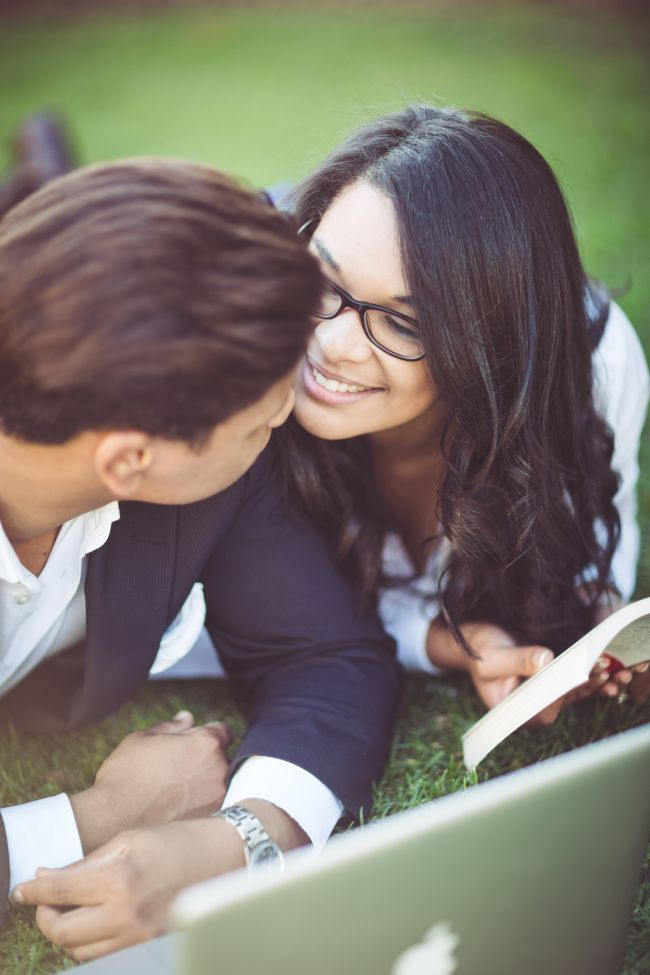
(4, 871)
(315, 674)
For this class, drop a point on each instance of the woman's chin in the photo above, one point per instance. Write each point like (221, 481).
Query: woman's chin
(321, 422)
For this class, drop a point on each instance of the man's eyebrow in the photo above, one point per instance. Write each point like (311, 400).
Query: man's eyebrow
(325, 254)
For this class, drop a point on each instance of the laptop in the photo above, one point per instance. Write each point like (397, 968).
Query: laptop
(528, 874)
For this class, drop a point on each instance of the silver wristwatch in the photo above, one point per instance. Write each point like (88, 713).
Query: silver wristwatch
(259, 849)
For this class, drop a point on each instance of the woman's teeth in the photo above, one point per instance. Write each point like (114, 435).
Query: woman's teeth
(334, 385)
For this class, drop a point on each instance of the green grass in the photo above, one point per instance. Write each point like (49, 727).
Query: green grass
(425, 763)
(265, 94)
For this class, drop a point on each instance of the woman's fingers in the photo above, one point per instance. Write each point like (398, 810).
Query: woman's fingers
(494, 691)
(549, 714)
(640, 687)
(501, 668)
(512, 661)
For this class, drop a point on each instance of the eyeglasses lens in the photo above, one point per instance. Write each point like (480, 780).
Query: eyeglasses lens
(391, 332)
(330, 303)
(394, 333)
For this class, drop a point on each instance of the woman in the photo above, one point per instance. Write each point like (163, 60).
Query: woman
(456, 380)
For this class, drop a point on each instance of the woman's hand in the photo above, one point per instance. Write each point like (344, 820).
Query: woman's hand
(503, 665)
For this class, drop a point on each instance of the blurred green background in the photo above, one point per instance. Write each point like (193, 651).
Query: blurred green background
(264, 93)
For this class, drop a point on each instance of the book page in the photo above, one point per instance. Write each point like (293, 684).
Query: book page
(632, 645)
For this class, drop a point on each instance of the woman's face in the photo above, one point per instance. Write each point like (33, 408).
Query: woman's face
(357, 244)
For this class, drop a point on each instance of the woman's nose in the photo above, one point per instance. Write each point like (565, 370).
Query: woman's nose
(343, 337)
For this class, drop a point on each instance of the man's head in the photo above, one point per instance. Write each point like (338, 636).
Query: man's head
(155, 299)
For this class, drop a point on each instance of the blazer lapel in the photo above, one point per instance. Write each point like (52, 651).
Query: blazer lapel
(128, 593)
(128, 590)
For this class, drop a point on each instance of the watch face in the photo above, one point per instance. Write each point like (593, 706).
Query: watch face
(267, 853)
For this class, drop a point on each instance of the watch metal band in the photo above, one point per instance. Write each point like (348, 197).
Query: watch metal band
(259, 848)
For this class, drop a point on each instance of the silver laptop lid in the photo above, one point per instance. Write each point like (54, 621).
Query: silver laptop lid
(530, 873)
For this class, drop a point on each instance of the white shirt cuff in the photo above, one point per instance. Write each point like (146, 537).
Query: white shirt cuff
(40, 834)
(299, 793)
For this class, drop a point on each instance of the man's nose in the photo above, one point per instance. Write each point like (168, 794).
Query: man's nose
(343, 337)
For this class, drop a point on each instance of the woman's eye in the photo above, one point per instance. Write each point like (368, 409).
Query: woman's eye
(401, 327)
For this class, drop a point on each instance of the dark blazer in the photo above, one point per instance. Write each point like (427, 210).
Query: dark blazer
(316, 676)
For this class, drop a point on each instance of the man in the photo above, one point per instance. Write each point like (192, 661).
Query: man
(151, 317)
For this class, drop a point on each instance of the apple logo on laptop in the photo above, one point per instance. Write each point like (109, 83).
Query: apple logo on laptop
(434, 955)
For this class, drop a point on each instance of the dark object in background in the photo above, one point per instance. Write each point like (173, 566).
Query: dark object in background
(41, 150)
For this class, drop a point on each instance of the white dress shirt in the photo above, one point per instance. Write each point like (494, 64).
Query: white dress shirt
(40, 616)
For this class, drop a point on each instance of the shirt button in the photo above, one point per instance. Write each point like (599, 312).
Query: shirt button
(23, 598)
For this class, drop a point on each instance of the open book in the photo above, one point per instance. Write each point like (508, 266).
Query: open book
(624, 637)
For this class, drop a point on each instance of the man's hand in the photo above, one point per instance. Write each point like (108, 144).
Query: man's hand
(172, 771)
(120, 894)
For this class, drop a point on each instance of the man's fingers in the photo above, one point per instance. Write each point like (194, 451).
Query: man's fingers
(182, 721)
(63, 888)
(96, 950)
(73, 928)
(514, 661)
(220, 731)
(81, 883)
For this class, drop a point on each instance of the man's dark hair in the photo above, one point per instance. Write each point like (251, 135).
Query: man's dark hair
(147, 294)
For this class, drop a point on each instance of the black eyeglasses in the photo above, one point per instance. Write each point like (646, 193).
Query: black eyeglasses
(396, 334)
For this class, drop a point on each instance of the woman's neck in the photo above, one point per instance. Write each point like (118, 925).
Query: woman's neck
(411, 448)
(410, 468)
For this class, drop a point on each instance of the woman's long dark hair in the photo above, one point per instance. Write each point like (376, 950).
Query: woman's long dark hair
(499, 291)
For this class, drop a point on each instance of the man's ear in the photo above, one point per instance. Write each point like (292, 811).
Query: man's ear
(122, 459)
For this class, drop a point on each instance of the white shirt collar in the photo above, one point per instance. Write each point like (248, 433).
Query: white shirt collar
(96, 527)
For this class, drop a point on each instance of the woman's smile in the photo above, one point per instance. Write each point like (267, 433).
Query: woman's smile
(326, 387)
